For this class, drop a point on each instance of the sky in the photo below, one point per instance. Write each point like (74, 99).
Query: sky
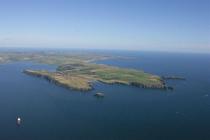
(153, 25)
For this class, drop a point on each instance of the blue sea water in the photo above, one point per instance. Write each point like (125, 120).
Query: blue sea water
(50, 112)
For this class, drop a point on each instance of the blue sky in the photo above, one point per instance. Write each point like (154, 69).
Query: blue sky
(163, 25)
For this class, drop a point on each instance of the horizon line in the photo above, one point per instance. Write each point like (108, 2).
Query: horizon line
(99, 49)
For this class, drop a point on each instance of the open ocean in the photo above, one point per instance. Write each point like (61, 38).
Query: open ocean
(50, 112)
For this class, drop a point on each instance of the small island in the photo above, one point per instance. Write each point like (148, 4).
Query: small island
(81, 76)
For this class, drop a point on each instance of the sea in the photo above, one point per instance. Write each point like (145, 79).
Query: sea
(50, 112)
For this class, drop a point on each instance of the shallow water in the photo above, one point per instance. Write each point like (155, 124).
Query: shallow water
(125, 113)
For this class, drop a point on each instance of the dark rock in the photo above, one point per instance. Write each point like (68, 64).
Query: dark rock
(173, 78)
(170, 88)
(99, 94)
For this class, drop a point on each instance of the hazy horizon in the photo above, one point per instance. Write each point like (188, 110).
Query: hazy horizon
(169, 26)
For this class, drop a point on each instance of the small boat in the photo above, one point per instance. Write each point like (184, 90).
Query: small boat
(18, 121)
